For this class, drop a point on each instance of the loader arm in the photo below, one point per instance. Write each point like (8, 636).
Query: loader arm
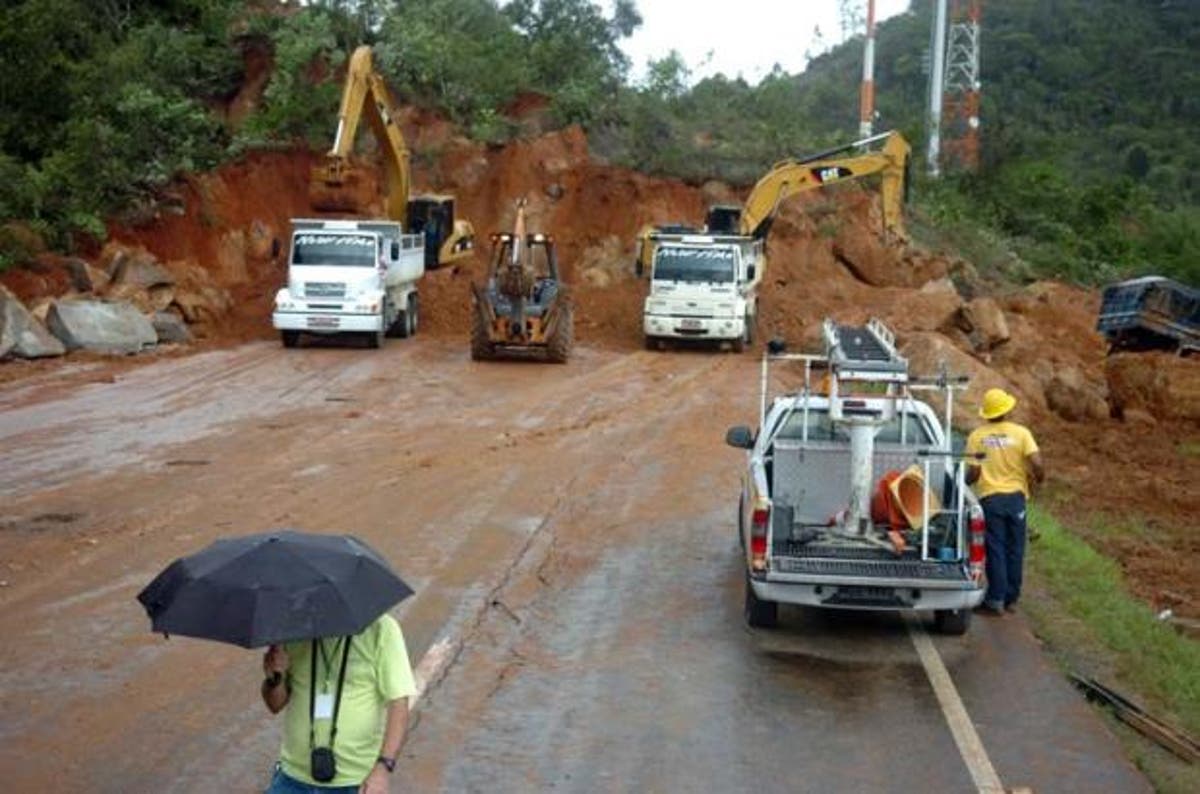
(790, 177)
(365, 94)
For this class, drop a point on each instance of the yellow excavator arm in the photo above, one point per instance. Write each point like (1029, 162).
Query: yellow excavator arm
(365, 94)
(336, 186)
(796, 176)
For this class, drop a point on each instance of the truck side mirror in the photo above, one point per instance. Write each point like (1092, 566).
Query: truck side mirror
(750, 273)
(740, 437)
(395, 249)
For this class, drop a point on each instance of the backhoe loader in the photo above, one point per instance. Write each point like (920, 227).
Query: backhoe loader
(523, 307)
(337, 185)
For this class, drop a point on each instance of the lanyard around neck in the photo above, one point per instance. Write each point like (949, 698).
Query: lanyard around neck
(312, 691)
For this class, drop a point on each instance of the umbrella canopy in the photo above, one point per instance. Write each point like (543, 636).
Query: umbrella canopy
(273, 587)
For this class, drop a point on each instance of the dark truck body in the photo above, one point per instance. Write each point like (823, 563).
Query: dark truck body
(1150, 313)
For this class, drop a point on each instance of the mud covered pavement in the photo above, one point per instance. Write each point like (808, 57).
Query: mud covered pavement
(570, 535)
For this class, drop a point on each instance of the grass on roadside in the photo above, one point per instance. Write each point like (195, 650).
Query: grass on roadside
(1150, 655)
(1085, 613)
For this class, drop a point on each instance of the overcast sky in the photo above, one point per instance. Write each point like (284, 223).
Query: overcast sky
(745, 37)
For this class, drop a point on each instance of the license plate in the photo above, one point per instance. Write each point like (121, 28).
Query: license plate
(322, 322)
(690, 324)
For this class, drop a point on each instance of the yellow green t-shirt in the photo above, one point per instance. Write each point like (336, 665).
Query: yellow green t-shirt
(377, 672)
(1006, 445)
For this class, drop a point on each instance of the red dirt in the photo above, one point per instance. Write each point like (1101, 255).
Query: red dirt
(1112, 469)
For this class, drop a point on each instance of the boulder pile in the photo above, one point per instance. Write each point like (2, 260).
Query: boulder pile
(128, 303)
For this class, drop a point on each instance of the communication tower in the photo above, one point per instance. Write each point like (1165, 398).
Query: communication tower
(960, 98)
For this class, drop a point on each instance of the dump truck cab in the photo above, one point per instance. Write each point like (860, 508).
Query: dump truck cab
(703, 287)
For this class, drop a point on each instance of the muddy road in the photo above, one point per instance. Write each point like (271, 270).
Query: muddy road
(569, 534)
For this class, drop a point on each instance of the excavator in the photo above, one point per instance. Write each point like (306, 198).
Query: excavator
(523, 307)
(792, 176)
(337, 186)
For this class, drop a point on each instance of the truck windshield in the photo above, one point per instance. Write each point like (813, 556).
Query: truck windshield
(707, 265)
(344, 250)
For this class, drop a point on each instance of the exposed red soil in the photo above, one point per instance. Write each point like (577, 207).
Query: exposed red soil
(1115, 469)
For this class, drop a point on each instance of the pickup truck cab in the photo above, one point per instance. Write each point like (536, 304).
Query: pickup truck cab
(703, 287)
(803, 539)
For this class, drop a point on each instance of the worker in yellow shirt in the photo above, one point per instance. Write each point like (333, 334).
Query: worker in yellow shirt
(1001, 481)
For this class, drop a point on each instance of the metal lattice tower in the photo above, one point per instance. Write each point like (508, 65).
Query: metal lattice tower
(960, 98)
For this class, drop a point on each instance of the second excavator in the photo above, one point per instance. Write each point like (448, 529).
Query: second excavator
(337, 186)
(523, 307)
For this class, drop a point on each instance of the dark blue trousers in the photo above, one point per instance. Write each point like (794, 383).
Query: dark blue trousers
(1004, 514)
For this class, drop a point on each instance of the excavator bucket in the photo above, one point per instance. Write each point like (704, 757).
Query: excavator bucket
(338, 187)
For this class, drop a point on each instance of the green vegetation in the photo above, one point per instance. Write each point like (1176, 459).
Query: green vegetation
(1089, 168)
(1088, 588)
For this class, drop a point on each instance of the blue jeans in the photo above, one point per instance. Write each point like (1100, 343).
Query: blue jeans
(282, 784)
(1004, 514)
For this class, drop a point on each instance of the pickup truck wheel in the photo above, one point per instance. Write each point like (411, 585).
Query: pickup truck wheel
(375, 339)
(760, 614)
(290, 338)
(414, 313)
(739, 525)
(952, 621)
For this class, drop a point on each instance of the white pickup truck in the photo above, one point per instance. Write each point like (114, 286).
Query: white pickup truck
(350, 277)
(703, 287)
(809, 520)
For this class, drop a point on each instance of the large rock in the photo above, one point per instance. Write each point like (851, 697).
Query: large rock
(982, 320)
(929, 353)
(171, 328)
(1164, 385)
(21, 334)
(1070, 395)
(138, 268)
(85, 277)
(101, 326)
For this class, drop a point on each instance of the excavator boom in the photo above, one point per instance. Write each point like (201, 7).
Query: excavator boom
(337, 186)
(796, 176)
(334, 183)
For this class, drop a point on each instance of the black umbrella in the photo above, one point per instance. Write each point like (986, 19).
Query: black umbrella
(273, 587)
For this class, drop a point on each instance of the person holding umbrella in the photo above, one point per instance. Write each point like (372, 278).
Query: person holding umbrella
(1001, 480)
(345, 694)
(336, 664)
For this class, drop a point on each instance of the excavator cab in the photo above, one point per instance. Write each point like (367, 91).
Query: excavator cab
(446, 239)
(723, 219)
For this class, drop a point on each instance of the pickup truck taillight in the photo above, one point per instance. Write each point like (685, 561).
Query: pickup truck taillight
(978, 550)
(758, 538)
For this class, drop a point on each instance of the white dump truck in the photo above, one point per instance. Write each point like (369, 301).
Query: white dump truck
(852, 496)
(350, 277)
(703, 287)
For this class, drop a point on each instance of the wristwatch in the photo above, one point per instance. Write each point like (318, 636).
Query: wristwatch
(388, 763)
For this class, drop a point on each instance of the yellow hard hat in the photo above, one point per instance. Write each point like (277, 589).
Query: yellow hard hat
(996, 403)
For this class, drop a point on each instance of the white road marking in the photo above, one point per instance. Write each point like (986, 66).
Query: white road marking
(430, 667)
(970, 747)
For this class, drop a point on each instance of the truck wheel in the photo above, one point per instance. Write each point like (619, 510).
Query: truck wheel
(760, 614)
(482, 348)
(739, 524)
(290, 338)
(558, 347)
(375, 339)
(952, 621)
(414, 313)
